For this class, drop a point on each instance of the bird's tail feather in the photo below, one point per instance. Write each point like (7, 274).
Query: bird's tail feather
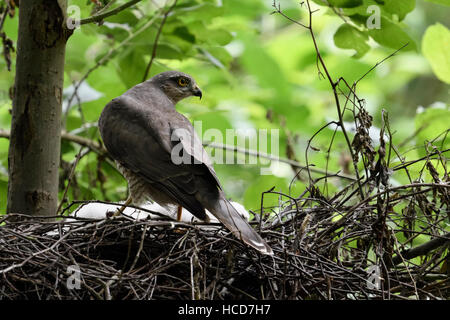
(223, 210)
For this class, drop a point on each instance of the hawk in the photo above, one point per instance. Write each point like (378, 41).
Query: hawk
(158, 152)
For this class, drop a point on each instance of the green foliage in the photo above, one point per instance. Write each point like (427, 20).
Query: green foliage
(443, 2)
(345, 3)
(349, 37)
(391, 35)
(256, 71)
(432, 125)
(436, 48)
(378, 20)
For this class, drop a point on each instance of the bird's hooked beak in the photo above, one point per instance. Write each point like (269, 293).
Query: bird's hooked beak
(197, 92)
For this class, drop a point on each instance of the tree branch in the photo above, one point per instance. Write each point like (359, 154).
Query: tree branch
(92, 145)
(100, 17)
(98, 148)
(421, 249)
(274, 158)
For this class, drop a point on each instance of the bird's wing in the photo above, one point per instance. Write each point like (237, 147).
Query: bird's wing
(215, 200)
(182, 130)
(140, 141)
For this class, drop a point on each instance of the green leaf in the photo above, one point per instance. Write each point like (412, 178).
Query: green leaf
(125, 17)
(248, 9)
(168, 51)
(218, 56)
(220, 36)
(340, 3)
(256, 60)
(443, 2)
(205, 34)
(436, 48)
(386, 8)
(391, 35)
(345, 3)
(67, 147)
(184, 33)
(146, 37)
(182, 45)
(431, 123)
(399, 7)
(348, 37)
(201, 12)
(131, 67)
(117, 32)
(359, 19)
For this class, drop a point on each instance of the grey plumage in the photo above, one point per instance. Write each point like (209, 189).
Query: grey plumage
(142, 130)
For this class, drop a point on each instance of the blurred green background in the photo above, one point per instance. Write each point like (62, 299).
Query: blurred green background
(257, 70)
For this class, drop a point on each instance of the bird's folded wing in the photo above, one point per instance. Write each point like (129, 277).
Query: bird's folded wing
(183, 131)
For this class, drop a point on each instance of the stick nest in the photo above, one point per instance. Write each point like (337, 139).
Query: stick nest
(321, 252)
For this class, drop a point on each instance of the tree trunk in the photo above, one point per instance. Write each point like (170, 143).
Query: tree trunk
(34, 149)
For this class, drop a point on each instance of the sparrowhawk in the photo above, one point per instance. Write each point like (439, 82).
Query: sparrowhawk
(157, 150)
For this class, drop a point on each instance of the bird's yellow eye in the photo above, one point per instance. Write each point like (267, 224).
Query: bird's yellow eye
(183, 82)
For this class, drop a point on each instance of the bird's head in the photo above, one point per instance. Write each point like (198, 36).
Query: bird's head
(177, 85)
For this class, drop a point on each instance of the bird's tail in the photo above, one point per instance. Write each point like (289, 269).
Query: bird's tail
(223, 210)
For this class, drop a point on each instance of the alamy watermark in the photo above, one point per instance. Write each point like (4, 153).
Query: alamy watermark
(374, 20)
(73, 17)
(239, 146)
(73, 281)
(373, 277)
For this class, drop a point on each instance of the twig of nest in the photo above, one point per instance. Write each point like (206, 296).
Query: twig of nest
(321, 252)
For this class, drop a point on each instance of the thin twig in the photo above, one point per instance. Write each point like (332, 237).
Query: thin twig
(101, 16)
(69, 180)
(155, 43)
(380, 62)
(333, 84)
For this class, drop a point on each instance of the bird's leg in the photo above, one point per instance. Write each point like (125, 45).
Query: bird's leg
(179, 213)
(120, 211)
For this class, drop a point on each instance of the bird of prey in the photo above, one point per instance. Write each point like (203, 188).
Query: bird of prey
(157, 150)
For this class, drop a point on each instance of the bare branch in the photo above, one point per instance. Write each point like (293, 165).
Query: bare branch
(101, 16)
(422, 249)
